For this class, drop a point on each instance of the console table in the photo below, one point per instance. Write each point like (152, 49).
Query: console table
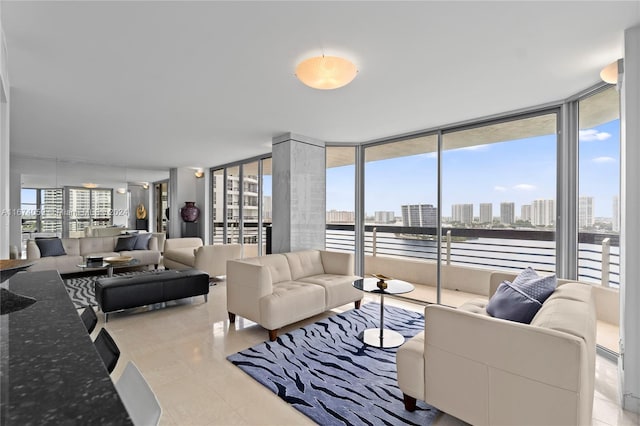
(50, 370)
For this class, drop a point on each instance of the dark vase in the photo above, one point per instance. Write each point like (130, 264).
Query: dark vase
(190, 212)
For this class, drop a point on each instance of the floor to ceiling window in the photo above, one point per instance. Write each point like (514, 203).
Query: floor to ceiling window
(498, 194)
(340, 198)
(599, 186)
(87, 207)
(401, 200)
(241, 204)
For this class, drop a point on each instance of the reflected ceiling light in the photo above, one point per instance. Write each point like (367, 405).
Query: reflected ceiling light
(90, 185)
(326, 72)
(609, 74)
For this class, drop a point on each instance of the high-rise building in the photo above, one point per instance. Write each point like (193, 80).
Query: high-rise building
(585, 212)
(525, 213)
(544, 212)
(419, 215)
(384, 217)
(615, 220)
(486, 212)
(232, 189)
(507, 213)
(267, 209)
(340, 216)
(462, 213)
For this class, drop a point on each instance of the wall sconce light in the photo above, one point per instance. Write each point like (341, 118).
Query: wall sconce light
(90, 185)
(610, 73)
(121, 190)
(145, 185)
(199, 174)
(326, 72)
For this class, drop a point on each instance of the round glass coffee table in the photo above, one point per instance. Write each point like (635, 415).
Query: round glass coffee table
(381, 337)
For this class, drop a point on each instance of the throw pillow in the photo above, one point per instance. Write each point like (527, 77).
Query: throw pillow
(125, 243)
(142, 242)
(50, 247)
(512, 304)
(535, 286)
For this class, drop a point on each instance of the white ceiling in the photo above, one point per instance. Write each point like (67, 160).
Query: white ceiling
(159, 84)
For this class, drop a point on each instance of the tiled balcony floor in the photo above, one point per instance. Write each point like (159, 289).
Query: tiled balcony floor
(181, 350)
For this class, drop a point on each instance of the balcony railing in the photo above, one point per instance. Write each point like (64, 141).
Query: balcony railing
(509, 249)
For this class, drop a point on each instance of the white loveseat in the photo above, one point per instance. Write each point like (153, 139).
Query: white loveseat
(77, 249)
(486, 370)
(280, 289)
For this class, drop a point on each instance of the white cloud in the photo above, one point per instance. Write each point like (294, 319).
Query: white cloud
(475, 148)
(593, 135)
(430, 155)
(524, 187)
(604, 160)
(499, 188)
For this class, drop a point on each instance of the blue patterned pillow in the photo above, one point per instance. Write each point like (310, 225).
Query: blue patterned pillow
(535, 286)
(511, 303)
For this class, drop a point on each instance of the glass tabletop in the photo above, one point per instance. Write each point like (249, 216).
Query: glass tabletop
(393, 286)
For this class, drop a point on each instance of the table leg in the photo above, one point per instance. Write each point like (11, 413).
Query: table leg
(379, 337)
(381, 318)
(110, 271)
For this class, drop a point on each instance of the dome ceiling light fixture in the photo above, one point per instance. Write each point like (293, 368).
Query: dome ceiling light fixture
(326, 72)
(610, 73)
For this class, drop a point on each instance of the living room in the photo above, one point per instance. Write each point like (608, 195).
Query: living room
(218, 90)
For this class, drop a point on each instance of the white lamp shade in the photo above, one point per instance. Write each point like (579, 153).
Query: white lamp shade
(326, 72)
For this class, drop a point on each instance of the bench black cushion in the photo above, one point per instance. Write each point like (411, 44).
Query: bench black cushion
(116, 293)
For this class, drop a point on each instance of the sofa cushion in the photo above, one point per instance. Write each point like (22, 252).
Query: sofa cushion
(511, 303)
(50, 247)
(338, 289)
(142, 241)
(125, 243)
(535, 286)
(305, 263)
(278, 267)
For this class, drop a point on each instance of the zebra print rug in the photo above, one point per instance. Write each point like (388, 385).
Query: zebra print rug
(81, 289)
(327, 373)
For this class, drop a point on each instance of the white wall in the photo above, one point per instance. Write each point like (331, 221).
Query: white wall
(5, 232)
(629, 365)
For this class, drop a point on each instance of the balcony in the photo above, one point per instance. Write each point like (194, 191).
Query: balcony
(411, 252)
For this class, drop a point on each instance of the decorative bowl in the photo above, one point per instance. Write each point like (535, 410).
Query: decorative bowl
(118, 259)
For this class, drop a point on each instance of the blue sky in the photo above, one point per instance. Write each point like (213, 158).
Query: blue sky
(514, 171)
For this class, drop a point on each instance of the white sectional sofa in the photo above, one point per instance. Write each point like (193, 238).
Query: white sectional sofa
(78, 248)
(486, 370)
(280, 289)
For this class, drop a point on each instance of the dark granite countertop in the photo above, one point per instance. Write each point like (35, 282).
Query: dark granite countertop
(49, 367)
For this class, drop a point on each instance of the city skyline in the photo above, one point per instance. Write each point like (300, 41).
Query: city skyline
(513, 171)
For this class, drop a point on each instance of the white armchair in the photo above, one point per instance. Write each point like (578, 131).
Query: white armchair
(186, 253)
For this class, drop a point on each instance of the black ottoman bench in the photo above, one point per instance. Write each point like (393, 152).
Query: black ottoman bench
(117, 293)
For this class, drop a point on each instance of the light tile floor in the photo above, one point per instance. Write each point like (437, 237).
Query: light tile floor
(181, 350)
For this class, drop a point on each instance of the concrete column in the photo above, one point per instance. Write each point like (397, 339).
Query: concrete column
(629, 365)
(299, 193)
(5, 206)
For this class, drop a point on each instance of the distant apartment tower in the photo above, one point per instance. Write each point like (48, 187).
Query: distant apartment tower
(384, 217)
(615, 220)
(585, 212)
(507, 213)
(525, 213)
(544, 212)
(267, 208)
(462, 213)
(340, 216)
(419, 215)
(486, 212)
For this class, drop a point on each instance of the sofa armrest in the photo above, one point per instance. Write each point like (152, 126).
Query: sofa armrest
(33, 251)
(541, 354)
(213, 258)
(176, 243)
(337, 263)
(247, 283)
